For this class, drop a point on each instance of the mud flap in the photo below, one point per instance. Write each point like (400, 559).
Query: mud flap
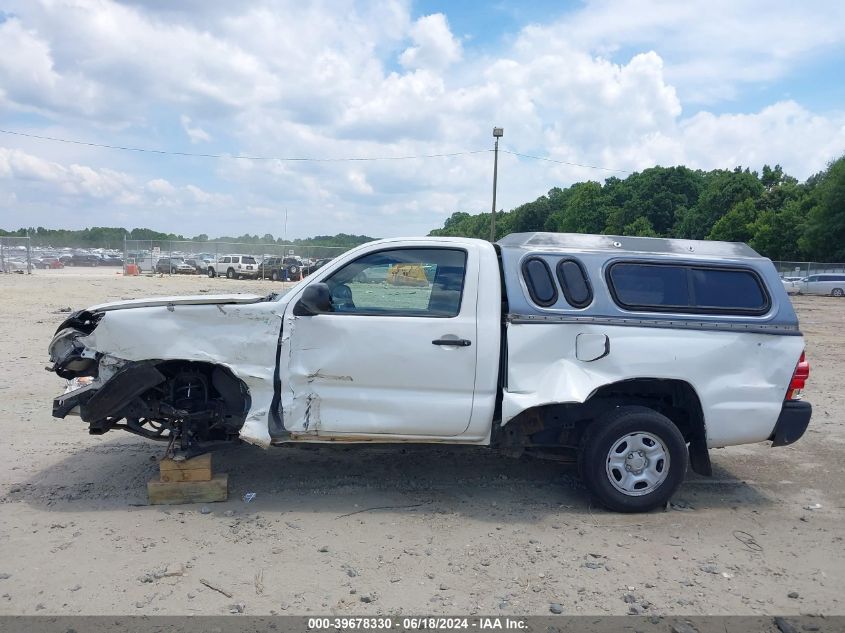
(699, 457)
(128, 383)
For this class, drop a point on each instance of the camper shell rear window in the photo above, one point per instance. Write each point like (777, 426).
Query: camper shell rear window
(687, 288)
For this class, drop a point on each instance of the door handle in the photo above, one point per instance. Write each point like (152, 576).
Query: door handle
(457, 342)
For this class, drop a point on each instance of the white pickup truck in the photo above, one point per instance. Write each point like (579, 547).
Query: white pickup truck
(636, 355)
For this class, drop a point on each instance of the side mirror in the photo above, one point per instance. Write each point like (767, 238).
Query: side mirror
(315, 299)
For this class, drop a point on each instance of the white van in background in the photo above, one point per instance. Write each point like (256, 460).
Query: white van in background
(832, 284)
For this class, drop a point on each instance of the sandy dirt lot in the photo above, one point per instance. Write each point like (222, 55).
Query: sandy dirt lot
(467, 531)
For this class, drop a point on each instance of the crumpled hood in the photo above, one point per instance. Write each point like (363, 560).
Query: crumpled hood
(165, 301)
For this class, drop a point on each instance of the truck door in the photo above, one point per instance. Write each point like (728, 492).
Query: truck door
(396, 356)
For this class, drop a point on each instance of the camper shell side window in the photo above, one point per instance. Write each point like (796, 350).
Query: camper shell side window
(646, 286)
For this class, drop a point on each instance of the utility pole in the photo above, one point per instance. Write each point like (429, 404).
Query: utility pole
(497, 134)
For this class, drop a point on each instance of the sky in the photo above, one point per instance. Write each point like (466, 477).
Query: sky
(596, 88)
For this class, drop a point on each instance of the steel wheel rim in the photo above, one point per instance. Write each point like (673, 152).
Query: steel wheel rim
(637, 463)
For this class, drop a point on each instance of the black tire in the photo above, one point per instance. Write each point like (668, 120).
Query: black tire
(230, 274)
(172, 271)
(274, 275)
(837, 292)
(612, 430)
(211, 272)
(293, 270)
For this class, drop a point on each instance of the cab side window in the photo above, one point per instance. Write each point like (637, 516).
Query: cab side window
(424, 282)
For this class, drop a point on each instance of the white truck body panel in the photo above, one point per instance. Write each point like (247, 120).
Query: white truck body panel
(239, 337)
(740, 378)
(379, 377)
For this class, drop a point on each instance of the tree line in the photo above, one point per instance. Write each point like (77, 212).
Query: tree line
(112, 237)
(780, 217)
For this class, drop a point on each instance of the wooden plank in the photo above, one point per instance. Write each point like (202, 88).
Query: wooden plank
(203, 461)
(197, 474)
(172, 492)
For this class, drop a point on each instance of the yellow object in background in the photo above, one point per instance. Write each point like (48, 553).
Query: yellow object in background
(407, 275)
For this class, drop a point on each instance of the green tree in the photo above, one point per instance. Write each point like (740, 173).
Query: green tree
(640, 227)
(824, 236)
(722, 190)
(737, 225)
(583, 211)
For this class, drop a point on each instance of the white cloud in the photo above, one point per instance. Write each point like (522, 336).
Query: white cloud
(607, 84)
(41, 183)
(434, 45)
(195, 133)
(29, 79)
(359, 183)
(712, 46)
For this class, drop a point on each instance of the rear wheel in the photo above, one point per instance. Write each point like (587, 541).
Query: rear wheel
(633, 459)
(230, 274)
(837, 292)
(274, 275)
(211, 272)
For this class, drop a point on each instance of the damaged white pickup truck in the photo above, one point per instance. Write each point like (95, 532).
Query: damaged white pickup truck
(634, 355)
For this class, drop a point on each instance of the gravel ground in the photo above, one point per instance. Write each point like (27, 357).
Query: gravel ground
(380, 530)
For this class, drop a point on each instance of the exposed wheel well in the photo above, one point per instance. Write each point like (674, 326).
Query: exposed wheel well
(561, 426)
(676, 399)
(194, 401)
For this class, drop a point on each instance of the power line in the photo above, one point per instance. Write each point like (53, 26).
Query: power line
(241, 156)
(563, 162)
(302, 159)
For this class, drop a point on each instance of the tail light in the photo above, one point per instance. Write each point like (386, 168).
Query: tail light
(799, 377)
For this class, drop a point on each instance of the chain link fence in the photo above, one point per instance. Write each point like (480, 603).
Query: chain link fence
(802, 270)
(16, 255)
(173, 257)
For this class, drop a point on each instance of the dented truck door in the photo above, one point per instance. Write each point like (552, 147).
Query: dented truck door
(395, 353)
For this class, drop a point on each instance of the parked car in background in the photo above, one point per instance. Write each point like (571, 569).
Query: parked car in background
(174, 265)
(10, 265)
(50, 262)
(272, 268)
(85, 259)
(111, 260)
(282, 268)
(791, 286)
(200, 266)
(295, 267)
(143, 260)
(319, 264)
(234, 267)
(832, 284)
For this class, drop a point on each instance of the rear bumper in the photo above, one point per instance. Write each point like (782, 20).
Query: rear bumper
(792, 422)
